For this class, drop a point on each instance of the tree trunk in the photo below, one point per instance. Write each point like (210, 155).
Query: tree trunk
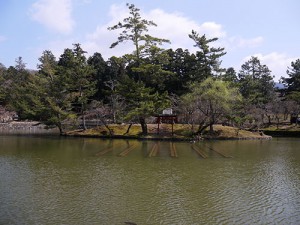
(211, 128)
(143, 125)
(59, 124)
(83, 122)
(128, 129)
(60, 129)
(107, 127)
(277, 124)
(269, 120)
(201, 128)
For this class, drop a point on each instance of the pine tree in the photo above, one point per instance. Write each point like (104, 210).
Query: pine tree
(144, 68)
(293, 82)
(256, 82)
(208, 58)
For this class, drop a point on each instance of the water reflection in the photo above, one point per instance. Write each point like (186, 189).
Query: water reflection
(86, 181)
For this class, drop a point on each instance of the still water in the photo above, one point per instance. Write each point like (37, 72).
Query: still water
(52, 180)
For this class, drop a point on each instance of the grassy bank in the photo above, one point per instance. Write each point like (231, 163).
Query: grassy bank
(180, 132)
(283, 130)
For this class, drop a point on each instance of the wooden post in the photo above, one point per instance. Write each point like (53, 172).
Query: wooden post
(158, 122)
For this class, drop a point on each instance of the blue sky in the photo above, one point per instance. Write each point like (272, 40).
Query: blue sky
(268, 29)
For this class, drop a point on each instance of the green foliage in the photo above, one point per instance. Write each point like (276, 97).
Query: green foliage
(56, 96)
(230, 76)
(216, 94)
(78, 77)
(150, 70)
(2, 83)
(208, 57)
(256, 83)
(22, 90)
(135, 29)
(145, 63)
(138, 85)
(145, 66)
(293, 82)
(184, 68)
(140, 100)
(100, 74)
(67, 85)
(210, 101)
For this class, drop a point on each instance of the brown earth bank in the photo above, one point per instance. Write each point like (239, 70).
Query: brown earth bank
(181, 132)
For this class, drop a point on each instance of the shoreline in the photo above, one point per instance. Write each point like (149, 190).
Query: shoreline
(37, 128)
(282, 133)
(266, 137)
(180, 134)
(26, 128)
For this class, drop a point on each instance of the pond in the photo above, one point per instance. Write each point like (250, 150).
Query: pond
(53, 180)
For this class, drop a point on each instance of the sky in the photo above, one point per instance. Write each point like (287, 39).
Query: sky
(267, 29)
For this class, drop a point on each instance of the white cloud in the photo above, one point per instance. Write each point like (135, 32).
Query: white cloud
(117, 13)
(2, 38)
(239, 42)
(54, 14)
(277, 62)
(172, 26)
(177, 27)
(57, 47)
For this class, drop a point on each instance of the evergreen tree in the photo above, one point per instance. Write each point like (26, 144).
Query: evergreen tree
(293, 82)
(77, 75)
(256, 82)
(2, 84)
(23, 91)
(151, 70)
(135, 29)
(230, 75)
(100, 75)
(182, 64)
(116, 68)
(48, 66)
(56, 97)
(208, 58)
(67, 86)
(145, 61)
(141, 102)
(144, 64)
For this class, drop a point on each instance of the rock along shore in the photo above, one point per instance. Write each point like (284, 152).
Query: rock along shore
(26, 127)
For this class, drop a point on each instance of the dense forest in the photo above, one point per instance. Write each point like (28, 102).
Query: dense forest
(133, 88)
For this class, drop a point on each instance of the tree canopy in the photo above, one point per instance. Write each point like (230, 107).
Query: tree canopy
(140, 84)
(210, 101)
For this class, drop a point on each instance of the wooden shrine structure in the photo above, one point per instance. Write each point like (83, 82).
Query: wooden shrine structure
(166, 117)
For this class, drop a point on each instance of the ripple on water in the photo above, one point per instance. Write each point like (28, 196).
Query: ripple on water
(67, 185)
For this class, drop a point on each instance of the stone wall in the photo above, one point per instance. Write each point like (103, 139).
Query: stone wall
(30, 127)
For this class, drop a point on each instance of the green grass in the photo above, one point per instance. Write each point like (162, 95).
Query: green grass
(181, 131)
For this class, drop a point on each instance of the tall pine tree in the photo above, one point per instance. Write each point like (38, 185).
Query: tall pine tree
(208, 58)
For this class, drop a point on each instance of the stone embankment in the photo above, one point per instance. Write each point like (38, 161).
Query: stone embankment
(24, 127)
